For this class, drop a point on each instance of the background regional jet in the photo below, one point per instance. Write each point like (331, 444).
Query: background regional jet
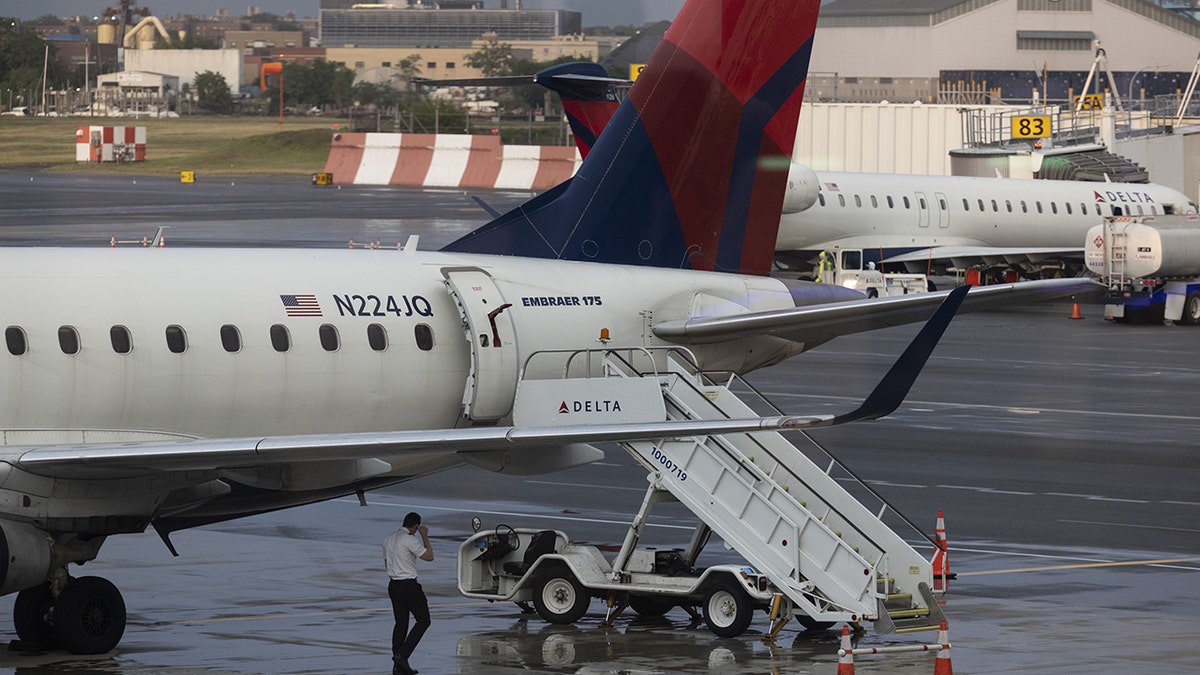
(246, 381)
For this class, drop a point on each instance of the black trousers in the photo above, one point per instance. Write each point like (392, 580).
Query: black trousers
(408, 598)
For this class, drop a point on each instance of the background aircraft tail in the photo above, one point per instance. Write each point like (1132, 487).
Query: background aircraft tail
(692, 169)
(588, 98)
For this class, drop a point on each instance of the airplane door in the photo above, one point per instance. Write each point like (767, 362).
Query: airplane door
(922, 209)
(943, 209)
(492, 381)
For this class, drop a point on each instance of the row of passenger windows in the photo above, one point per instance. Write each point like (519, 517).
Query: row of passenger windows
(1126, 210)
(231, 338)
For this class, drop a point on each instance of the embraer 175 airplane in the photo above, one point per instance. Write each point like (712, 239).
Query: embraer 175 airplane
(177, 387)
(928, 223)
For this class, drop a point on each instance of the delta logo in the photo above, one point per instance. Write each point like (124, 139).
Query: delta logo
(602, 406)
(1123, 196)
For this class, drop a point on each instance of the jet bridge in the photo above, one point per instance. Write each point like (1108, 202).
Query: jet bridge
(828, 557)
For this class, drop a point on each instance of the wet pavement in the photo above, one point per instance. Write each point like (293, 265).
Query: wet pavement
(1064, 454)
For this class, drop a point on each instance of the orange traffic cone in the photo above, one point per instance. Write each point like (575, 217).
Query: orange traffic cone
(1075, 313)
(846, 659)
(941, 556)
(942, 665)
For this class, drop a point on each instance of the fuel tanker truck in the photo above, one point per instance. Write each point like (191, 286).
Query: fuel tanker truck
(1151, 266)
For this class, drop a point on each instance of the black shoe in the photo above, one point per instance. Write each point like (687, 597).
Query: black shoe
(401, 666)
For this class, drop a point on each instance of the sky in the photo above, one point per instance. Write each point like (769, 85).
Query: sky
(595, 12)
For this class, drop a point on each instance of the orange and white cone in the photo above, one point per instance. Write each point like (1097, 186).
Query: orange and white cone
(846, 659)
(1075, 313)
(941, 557)
(942, 665)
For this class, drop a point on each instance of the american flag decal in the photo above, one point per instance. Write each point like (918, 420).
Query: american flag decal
(301, 305)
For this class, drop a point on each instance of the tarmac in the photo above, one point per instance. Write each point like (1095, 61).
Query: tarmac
(1062, 452)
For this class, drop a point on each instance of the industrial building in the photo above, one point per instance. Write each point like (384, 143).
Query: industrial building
(1007, 48)
(413, 23)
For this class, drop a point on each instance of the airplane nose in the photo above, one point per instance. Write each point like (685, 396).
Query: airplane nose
(805, 293)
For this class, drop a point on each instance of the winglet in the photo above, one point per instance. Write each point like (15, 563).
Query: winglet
(890, 392)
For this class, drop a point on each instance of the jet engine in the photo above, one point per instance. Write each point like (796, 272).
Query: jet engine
(25, 556)
(802, 188)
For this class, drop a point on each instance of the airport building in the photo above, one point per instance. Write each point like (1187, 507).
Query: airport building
(450, 23)
(1004, 49)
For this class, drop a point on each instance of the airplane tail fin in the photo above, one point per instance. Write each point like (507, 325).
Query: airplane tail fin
(588, 98)
(692, 169)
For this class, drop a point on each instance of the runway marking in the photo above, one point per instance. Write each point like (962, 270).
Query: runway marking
(585, 485)
(1182, 503)
(1001, 408)
(1079, 566)
(1139, 527)
(526, 515)
(303, 615)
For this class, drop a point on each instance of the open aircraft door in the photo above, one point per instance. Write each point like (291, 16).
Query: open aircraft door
(492, 381)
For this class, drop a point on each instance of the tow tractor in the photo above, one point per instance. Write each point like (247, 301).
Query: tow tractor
(844, 267)
(1151, 266)
(561, 577)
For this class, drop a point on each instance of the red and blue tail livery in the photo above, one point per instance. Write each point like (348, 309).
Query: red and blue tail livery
(692, 169)
(588, 97)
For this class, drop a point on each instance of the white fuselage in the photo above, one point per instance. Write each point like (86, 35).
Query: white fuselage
(900, 213)
(205, 326)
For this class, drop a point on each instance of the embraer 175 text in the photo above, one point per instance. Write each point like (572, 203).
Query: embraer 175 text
(176, 387)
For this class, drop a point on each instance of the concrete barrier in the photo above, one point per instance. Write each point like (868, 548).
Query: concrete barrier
(447, 160)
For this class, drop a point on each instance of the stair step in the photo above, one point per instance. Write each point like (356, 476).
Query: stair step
(898, 601)
(908, 613)
(917, 629)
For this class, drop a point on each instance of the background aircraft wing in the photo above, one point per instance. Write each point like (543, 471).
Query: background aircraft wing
(965, 257)
(815, 324)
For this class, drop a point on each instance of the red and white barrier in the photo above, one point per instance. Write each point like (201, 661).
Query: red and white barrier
(447, 161)
(110, 144)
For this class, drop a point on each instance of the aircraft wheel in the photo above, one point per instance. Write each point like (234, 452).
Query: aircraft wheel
(810, 623)
(1191, 309)
(559, 598)
(89, 616)
(31, 617)
(648, 605)
(727, 610)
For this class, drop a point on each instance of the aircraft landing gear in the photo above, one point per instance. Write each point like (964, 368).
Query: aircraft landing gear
(86, 617)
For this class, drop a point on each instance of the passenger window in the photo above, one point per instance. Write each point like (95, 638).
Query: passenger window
(942, 204)
(231, 338)
(68, 340)
(841, 200)
(858, 201)
(1098, 211)
(995, 209)
(966, 204)
(122, 343)
(1054, 208)
(424, 335)
(981, 208)
(821, 198)
(377, 337)
(907, 204)
(1039, 206)
(176, 340)
(921, 201)
(891, 204)
(1008, 205)
(14, 336)
(329, 337)
(1068, 207)
(281, 340)
(1024, 207)
(874, 202)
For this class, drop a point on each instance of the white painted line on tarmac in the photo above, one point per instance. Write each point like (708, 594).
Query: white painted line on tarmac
(565, 517)
(1133, 525)
(1182, 503)
(585, 485)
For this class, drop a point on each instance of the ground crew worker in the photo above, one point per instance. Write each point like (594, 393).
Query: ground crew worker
(401, 549)
(824, 264)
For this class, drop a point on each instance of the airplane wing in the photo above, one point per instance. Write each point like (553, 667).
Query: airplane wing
(204, 455)
(963, 257)
(816, 324)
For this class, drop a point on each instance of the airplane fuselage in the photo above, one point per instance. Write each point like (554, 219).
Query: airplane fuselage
(115, 345)
(899, 213)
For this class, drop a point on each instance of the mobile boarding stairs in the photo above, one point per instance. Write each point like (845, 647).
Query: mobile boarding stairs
(828, 558)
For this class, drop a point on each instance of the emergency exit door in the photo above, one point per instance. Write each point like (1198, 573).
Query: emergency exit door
(492, 381)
